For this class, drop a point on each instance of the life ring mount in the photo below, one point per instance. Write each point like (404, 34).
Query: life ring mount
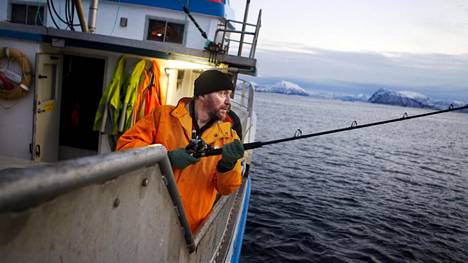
(12, 84)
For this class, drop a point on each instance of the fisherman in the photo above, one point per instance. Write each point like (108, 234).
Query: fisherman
(202, 118)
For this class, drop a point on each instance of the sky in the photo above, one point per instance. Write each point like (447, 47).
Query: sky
(417, 45)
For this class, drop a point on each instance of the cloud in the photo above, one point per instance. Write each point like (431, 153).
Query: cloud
(427, 73)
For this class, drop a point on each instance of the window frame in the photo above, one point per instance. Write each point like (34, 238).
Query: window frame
(165, 20)
(27, 4)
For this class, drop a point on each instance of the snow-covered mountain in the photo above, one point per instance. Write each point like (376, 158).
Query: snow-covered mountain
(410, 99)
(405, 98)
(382, 96)
(283, 87)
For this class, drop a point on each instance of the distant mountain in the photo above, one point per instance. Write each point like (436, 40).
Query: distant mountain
(410, 99)
(358, 97)
(406, 99)
(290, 88)
(383, 95)
(282, 87)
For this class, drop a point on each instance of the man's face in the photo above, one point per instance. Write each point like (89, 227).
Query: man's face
(218, 103)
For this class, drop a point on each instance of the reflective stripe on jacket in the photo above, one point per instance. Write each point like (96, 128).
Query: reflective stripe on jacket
(131, 94)
(198, 184)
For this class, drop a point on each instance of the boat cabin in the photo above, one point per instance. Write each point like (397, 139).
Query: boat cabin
(72, 64)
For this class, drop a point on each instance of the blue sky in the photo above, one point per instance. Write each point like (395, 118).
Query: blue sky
(409, 45)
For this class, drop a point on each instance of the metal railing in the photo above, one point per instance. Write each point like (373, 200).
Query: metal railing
(244, 96)
(230, 35)
(244, 99)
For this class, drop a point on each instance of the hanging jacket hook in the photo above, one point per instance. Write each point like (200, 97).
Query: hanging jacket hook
(298, 133)
(354, 124)
(405, 115)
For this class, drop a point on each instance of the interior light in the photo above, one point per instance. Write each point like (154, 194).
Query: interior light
(178, 64)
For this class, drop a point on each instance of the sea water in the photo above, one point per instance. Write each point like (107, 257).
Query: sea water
(392, 193)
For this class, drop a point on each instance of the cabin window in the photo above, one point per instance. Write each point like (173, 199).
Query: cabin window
(29, 14)
(165, 31)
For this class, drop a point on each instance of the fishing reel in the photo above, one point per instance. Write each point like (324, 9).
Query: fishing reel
(198, 148)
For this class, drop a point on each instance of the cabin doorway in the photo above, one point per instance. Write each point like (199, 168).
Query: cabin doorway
(82, 82)
(46, 107)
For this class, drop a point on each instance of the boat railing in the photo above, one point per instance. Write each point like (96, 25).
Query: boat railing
(231, 38)
(25, 188)
(244, 95)
(244, 99)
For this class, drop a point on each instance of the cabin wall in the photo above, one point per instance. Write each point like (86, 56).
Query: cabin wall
(109, 14)
(16, 116)
(193, 36)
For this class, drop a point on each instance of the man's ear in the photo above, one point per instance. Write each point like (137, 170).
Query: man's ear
(202, 97)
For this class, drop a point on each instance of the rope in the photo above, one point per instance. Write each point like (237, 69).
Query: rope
(187, 12)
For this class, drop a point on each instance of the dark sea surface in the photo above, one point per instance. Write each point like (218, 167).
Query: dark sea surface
(391, 193)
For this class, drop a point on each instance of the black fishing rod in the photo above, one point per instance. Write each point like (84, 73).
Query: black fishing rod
(354, 126)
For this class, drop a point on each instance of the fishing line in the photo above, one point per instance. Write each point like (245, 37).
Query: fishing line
(298, 135)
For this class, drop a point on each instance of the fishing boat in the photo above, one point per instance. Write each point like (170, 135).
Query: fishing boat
(66, 70)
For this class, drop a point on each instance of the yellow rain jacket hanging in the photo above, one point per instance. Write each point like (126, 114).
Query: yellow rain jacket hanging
(110, 104)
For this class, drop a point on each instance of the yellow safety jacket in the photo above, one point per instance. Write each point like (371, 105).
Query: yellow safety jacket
(131, 95)
(110, 100)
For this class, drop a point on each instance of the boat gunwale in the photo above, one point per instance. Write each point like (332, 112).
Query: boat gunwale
(25, 188)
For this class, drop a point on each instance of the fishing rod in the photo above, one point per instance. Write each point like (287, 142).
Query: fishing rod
(354, 126)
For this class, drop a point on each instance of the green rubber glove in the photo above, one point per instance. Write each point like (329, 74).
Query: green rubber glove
(231, 153)
(180, 158)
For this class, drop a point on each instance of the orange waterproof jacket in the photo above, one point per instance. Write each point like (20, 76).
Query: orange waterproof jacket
(198, 184)
(150, 94)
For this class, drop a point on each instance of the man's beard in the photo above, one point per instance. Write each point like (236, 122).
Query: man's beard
(220, 114)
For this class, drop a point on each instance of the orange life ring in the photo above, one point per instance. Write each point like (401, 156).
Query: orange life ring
(13, 85)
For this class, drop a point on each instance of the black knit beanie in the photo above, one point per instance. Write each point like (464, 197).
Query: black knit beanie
(211, 81)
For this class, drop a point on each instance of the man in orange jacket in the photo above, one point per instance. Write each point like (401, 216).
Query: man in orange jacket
(203, 117)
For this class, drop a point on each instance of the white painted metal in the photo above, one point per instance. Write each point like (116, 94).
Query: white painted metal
(47, 107)
(105, 208)
(108, 17)
(93, 8)
(16, 116)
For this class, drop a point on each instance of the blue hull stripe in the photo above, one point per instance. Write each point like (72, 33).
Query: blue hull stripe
(197, 6)
(240, 232)
(21, 35)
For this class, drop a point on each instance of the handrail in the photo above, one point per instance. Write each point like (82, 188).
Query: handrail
(23, 188)
(246, 101)
(237, 22)
(246, 12)
(224, 28)
(250, 97)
